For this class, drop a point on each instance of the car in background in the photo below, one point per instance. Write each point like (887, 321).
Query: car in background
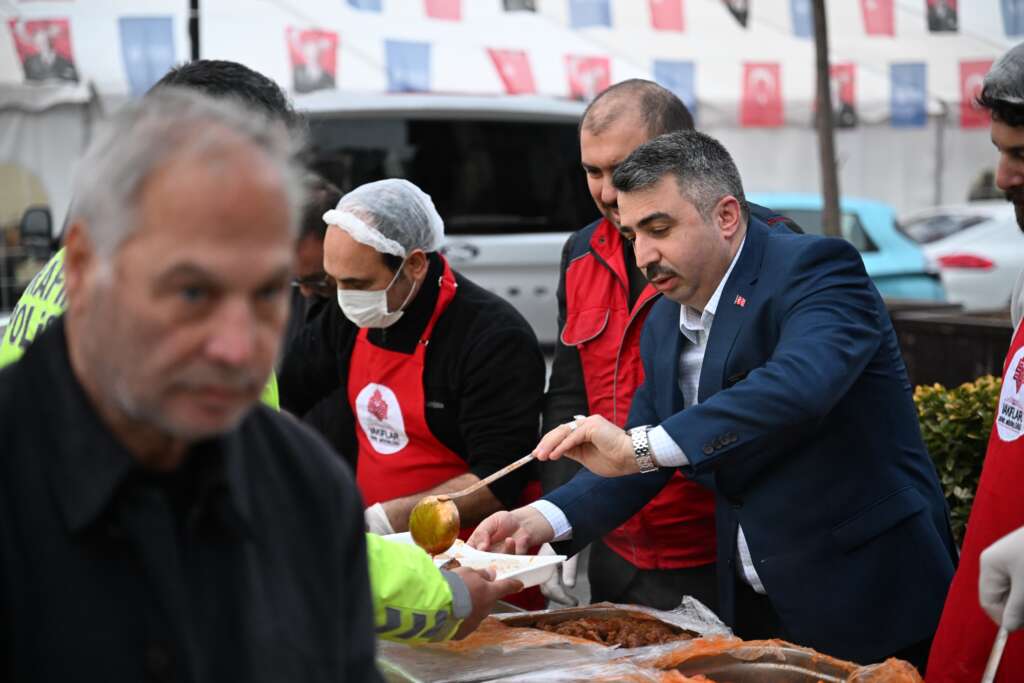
(896, 264)
(977, 248)
(504, 173)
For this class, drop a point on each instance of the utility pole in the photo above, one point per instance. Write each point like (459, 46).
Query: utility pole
(826, 125)
(193, 27)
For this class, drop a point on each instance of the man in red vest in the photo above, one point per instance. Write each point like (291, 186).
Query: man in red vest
(667, 550)
(966, 634)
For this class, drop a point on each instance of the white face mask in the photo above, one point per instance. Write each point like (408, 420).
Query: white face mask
(370, 308)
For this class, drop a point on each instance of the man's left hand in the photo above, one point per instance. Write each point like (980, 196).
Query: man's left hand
(594, 442)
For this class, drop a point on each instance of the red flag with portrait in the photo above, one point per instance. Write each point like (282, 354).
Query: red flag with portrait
(972, 76)
(513, 67)
(450, 10)
(44, 49)
(879, 17)
(314, 58)
(666, 15)
(761, 101)
(588, 76)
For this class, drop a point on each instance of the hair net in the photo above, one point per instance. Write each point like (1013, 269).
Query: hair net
(1005, 80)
(393, 216)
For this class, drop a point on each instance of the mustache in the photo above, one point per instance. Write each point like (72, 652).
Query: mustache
(242, 380)
(655, 271)
(1016, 195)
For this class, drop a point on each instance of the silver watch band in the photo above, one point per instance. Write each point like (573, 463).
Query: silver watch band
(642, 449)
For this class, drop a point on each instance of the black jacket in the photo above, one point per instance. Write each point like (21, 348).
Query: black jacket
(247, 563)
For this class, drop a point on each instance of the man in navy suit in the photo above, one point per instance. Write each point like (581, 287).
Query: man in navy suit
(773, 377)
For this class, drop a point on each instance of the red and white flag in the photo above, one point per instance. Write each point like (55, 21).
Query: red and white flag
(879, 17)
(588, 76)
(972, 76)
(513, 67)
(761, 103)
(450, 10)
(666, 15)
(44, 49)
(314, 57)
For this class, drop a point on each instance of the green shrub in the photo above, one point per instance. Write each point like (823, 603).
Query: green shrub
(955, 424)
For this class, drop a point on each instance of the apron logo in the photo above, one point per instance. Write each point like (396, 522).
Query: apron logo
(1010, 412)
(377, 406)
(380, 417)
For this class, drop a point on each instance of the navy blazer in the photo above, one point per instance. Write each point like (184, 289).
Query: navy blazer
(807, 432)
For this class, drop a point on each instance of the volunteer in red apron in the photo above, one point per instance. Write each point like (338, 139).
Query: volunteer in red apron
(966, 633)
(420, 428)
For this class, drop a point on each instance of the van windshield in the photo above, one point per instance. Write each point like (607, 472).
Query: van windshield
(485, 177)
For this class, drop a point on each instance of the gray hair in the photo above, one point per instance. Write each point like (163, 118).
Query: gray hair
(144, 135)
(703, 169)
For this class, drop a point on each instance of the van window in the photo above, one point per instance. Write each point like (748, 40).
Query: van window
(850, 226)
(485, 177)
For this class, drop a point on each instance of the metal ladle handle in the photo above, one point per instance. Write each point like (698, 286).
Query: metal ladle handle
(487, 480)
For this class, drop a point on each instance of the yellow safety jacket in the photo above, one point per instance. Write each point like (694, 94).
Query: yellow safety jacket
(412, 600)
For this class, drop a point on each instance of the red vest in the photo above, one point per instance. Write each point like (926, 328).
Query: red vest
(677, 528)
(965, 635)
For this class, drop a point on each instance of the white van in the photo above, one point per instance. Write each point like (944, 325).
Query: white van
(504, 173)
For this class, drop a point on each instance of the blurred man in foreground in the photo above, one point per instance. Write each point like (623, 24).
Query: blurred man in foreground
(990, 578)
(156, 524)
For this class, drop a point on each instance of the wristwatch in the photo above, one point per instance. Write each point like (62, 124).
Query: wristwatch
(642, 449)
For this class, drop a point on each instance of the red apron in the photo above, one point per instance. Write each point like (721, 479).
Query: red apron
(965, 635)
(398, 454)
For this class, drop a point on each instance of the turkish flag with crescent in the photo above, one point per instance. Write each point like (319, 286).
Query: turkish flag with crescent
(588, 76)
(761, 101)
(879, 18)
(972, 75)
(513, 67)
(666, 15)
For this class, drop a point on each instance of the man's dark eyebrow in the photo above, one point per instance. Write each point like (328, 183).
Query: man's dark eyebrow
(187, 270)
(650, 218)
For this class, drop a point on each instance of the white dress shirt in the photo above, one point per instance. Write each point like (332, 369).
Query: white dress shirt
(696, 327)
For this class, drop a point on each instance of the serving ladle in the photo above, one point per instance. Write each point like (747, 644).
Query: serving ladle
(434, 521)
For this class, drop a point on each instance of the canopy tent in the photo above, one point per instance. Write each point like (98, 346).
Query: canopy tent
(903, 84)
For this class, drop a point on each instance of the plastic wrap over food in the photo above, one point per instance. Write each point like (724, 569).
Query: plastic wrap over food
(511, 645)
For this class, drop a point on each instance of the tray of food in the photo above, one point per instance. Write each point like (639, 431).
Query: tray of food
(531, 570)
(605, 625)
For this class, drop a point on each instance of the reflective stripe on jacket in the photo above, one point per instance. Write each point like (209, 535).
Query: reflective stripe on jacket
(413, 602)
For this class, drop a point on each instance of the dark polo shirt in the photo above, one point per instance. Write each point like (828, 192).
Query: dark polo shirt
(247, 563)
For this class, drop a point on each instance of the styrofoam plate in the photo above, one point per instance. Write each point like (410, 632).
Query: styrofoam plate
(532, 570)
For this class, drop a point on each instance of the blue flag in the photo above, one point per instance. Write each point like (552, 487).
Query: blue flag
(368, 5)
(408, 66)
(1013, 17)
(803, 20)
(584, 13)
(147, 47)
(908, 94)
(680, 78)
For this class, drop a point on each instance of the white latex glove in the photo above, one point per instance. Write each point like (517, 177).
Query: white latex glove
(1001, 581)
(554, 589)
(377, 521)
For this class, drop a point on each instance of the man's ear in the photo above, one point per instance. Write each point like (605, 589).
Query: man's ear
(79, 258)
(729, 216)
(416, 265)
